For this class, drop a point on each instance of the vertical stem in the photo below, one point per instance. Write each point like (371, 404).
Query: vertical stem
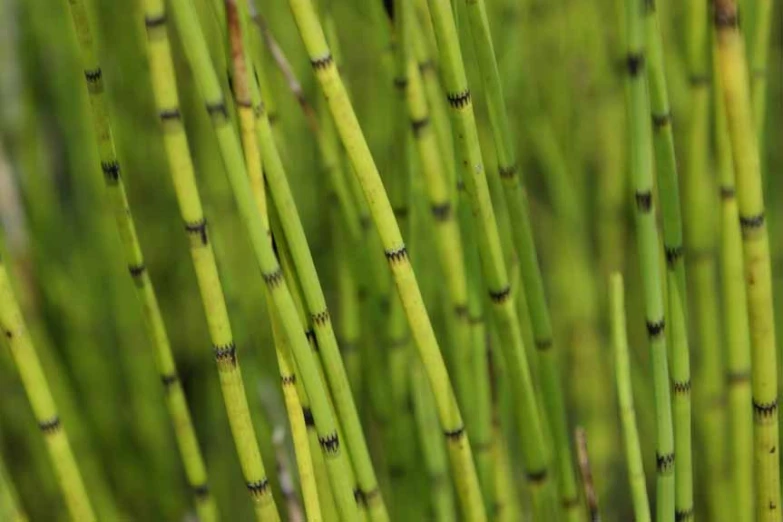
(647, 238)
(633, 452)
(190, 453)
(396, 253)
(40, 396)
(755, 243)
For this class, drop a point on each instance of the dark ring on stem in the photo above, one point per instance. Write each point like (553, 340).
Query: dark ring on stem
(274, 278)
(397, 255)
(418, 125)
(644, 201)
(680, 515)
(508, 171)
(321, 318)
(169, 114)
(499, 296)
(455, 434)
(461, 310)
(201, 491)
(307, 413)
(401, 83)
(570, 503)
(310, 334)
(245, 104)
(681, 387)
(673, 254)
(459, 99)
(111, 171)
(476, 319)
(217, 108)
(442, 211)
(330, 443)
(426, 65)
(543, 344)
(765, 409)
(258, 487)
(396, 471)
(323, 62)
(399, 342)
(536, 477)
(726, 18)
(93, 75)
(226, 353)
(698, 80)
(655, 328)
(288, 380)
(136, 270)
(634, 63)
(50, 426)
(751, 222)
(727, 192)
(169, 379)
(664, 463)
(735, 378)
(661, 120)
(368, 496)
(198, 227)
(155, 21)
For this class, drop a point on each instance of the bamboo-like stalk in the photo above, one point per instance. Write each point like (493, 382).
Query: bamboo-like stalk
(532, 281)
(496, 279)
(622, 365)
(470, 376)
(44, 407)
(187, 442)
(367, 173)
(202, 252)
(758, 40)
(315, 301)
(278, 289)
(735, 324)
(699, 210)
(755, 243)
(647, 239)
(668, 189)
(297, 421)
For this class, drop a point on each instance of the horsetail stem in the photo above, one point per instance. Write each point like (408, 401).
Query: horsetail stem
(10, 508)
(296, 419)
(735, 325)
(759, 43)
(492, 262)
(187, 442)
(755, 244)
(700, 255)
(277, 287)
(367, 174)
(585, 470)
(203, 256)
(647, 238)
(40, 396)
(633, 453)
(316, 305)
(524, 243)
(668, 189)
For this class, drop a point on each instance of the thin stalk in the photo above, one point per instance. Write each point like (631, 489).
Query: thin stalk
(735, 324)
(699, 208)
(203, 256)
(755, 245)
(535, 457)
(524, 243)
(668, 189)
(759, 43)
(297, 419)
(295, 513)
(622, 365)
(10, 507)
(187, 442)
(367, 174)
(44, 408)
(281, 298)
(586, 472)
(315, 301)
(647, 238)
